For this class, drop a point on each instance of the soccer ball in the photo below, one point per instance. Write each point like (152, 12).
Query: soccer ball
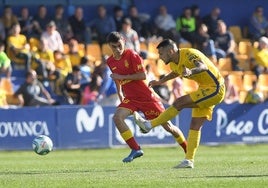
(42, 145)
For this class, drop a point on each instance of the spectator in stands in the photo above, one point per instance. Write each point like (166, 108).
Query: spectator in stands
(62, 63)
(177, 88)
(91, 92)
(72, 85)
(225, 44)
(75, 53)
(62, 23)
(41, 19)
(254, 96)
(163, 92)
(166, 25)
(63, 68)
(81, 32)
(52, 37)
(204, 43)
(195, 9)
(43, 62)
(26, 23)
(5, 63)
(259, 61)
(140, 22)
(103, 24)
(231, 94)
(8, 18)
(186, 25)
(18, 48)
(149, 73)
(131, 38)
(86, 70)
(257, 24)
(211, 21)
(118, 17)
(31, 92)
(107, 91)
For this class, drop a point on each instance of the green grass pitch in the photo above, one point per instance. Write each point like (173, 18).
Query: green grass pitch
(227, 166)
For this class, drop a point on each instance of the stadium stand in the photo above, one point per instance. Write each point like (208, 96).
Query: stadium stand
(236, 23)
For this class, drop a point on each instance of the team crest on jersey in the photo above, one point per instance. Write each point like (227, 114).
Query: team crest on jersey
(126, 64)
(139, 67)
(193, 57)
(126, 101)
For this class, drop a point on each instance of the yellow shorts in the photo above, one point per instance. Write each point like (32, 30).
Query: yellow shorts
(206, 98)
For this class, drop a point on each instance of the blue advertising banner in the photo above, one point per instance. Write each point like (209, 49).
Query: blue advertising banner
(93, 126)
(82, 127)
(18, 127)
(232, 123)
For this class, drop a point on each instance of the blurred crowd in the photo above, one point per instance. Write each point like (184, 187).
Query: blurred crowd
(61, 66)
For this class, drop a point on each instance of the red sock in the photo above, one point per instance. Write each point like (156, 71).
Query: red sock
(133, 144)
(184, 146)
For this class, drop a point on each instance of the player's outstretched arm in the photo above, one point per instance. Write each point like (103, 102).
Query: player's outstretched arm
(166, 78)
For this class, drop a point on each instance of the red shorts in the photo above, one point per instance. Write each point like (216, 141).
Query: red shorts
(151, 109)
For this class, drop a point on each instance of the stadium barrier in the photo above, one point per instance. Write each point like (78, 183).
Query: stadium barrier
(92, 127)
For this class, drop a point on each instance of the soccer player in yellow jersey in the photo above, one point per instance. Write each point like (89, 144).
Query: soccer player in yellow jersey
(192, 64)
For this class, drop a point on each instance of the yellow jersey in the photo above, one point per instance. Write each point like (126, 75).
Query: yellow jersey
(188, 56)
(261, 56)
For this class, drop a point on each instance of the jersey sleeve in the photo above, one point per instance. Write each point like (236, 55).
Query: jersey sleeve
(137, 62)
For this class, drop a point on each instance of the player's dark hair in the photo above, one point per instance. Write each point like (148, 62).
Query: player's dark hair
(113, 37)
(165, 43)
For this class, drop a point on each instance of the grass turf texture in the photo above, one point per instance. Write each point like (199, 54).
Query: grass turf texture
(220, 166)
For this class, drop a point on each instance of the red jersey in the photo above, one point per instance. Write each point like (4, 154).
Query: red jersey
(131, 63)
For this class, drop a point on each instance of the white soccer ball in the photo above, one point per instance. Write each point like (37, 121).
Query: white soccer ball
(42, 145)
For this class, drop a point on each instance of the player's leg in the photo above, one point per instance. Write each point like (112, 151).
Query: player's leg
(177, 134)
(193, 141)
(119, 119)
(170, 113)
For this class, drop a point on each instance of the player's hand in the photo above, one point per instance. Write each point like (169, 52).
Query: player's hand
(154, 83)
(186, 72)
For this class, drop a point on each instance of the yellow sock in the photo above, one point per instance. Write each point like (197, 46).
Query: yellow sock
(180, 139)
(127, 135)
(182, 142)
(165, 116)
(192, 144)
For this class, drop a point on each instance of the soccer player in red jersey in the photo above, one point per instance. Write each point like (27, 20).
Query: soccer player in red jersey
(129, 74)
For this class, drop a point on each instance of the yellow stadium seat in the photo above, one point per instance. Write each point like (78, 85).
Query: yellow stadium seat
(153, 65)
(81, 47)
(237, 33)
(245, 49)
(6, 85)
(242, 96)
(93, 50)
(152, 50)
(143, 46)
(263, 84)
(189, 85)
(248, 79)
(65, 48)
(34, 43)
(162, 67)
(236, 79)
(225, 64)
(106, 50)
